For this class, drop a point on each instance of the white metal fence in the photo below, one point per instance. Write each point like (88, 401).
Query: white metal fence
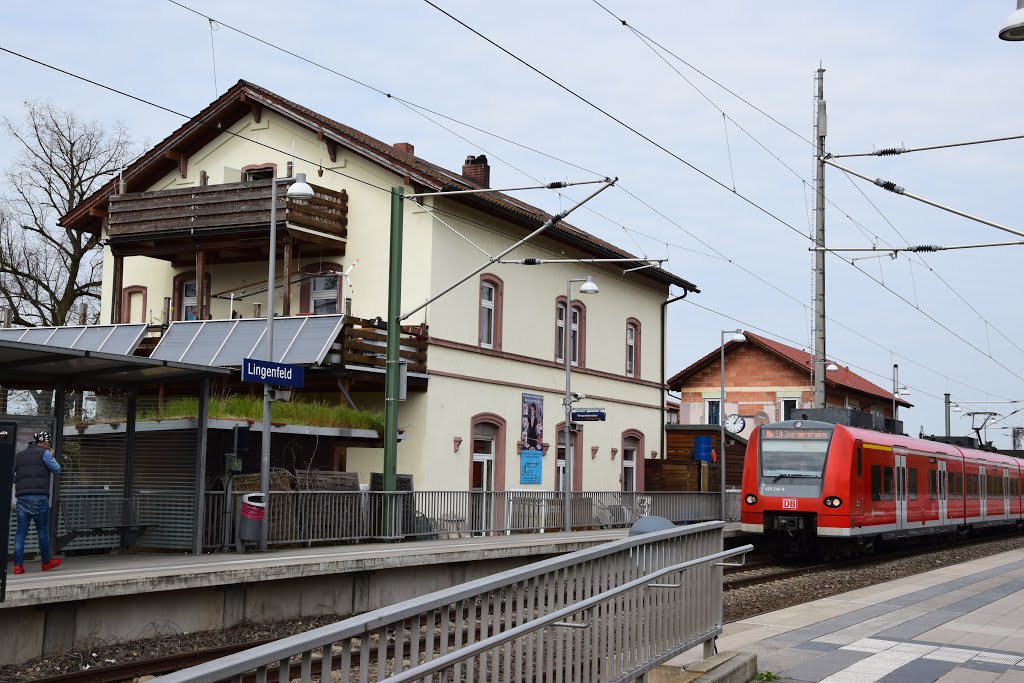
(306, 517)
(608, 613)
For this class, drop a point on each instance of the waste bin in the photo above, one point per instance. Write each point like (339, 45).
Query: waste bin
(250, 517)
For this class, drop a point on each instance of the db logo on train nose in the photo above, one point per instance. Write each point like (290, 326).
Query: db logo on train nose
(789, 503)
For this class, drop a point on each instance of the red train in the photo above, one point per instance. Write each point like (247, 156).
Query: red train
(830, 489)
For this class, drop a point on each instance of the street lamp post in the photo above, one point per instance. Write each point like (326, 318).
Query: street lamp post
(736, 336)
(588, 287)
(297, 189)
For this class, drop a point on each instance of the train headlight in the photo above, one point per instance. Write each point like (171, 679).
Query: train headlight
(750, 499)
(833, 502)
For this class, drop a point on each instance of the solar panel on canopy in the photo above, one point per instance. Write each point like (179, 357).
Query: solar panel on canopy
(313, 340)
(302, 340)
(120, 339)
(246, 341)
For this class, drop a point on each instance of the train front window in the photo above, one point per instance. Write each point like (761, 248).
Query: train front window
(793, 460)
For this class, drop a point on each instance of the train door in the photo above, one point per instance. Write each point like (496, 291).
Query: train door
(982, 493)
(901, 492)
(1006, 494)
(943, 492)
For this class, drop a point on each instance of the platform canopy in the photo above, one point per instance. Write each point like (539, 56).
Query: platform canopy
(32, 365)
(122, 339)
(298, 340)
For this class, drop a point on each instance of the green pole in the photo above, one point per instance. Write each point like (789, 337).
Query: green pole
(394, 332)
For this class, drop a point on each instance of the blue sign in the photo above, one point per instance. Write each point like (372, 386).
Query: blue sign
(588, 415)
(278, 374)
(531, 467)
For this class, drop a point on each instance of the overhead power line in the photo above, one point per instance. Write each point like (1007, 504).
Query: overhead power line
(650, 42)
(708, 176)
(894, 151)
(420, 110)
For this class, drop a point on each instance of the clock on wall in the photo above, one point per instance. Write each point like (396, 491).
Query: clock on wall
(735, 423)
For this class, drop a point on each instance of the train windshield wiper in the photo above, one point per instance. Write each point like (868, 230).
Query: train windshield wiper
(794, 475)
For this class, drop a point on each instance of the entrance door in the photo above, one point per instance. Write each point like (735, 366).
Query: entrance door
(901, 492)
(943, 492)
(982, 493)
(482, 481)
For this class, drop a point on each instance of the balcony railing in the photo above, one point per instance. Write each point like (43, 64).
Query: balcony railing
(364, 343)
(233, 205)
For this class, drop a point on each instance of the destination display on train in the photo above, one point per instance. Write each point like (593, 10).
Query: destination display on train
(796, 433)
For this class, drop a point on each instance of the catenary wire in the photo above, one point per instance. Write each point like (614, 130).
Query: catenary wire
(172, 111)
(643, 37)
(708, 176)
(650, 43)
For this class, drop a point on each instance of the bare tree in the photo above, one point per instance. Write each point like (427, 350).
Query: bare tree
(45, 270)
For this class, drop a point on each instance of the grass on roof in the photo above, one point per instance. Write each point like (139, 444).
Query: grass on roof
(250, 408)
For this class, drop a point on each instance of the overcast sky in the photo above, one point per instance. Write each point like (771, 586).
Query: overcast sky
(910, 73)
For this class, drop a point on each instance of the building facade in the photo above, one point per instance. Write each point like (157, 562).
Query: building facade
(489, 379)
(767, 381)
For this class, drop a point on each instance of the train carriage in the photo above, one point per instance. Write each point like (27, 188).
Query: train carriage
(828, 488)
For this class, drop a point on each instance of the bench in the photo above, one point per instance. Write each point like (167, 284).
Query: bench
(97, 516)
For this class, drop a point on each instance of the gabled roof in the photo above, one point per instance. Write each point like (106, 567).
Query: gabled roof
(244, 97)
(842, 378)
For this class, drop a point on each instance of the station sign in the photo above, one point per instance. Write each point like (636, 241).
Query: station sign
(588, 415)
(278, 374)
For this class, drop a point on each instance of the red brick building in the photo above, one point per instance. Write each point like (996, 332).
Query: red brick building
(765, 381)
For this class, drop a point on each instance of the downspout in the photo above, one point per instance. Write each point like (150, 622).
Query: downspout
(661, 394)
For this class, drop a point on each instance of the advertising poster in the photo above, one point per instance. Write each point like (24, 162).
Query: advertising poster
(531, 467)
(533, 422)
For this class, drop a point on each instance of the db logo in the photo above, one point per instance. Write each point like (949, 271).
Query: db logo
(789, 503)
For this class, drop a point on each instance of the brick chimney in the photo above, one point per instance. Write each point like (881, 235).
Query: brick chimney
(404, 147)
(477, 170)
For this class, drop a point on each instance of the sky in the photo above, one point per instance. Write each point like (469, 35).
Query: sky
(729, 204)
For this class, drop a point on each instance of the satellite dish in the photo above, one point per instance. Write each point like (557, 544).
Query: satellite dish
(761, 418)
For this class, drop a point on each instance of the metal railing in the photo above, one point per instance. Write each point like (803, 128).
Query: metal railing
(608, 613)
(307, 517)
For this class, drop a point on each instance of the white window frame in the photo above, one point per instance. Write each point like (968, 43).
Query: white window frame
(630, 445)
(630, 349)
(574, 334)
(707, 409)
(560, 333)
(189, 301)
(796, 406)
(322, 294)
(487, 314)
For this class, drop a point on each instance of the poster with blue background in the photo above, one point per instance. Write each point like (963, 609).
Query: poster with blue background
(530, 467)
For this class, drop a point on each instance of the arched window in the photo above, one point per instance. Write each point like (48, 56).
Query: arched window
(577, 459)
(491, 304)
(632, 476)
(487, 463)
(322, 293)
(133, 304)
(632, 347)
(259, 172)
(185, 297)
(575, 325)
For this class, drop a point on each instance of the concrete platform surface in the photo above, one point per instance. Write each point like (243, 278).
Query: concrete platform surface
(959, 623)
(102, 576)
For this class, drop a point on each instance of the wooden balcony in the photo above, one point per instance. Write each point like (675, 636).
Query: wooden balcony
(364, 344)
(223, 217)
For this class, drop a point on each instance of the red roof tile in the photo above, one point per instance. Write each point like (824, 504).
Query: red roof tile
(843, 377)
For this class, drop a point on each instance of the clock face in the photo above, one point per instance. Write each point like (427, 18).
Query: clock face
(735, 423)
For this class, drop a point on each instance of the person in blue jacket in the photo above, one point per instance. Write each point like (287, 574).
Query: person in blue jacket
(32, 468)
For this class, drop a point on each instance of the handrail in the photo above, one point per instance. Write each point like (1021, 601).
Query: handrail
(277, 651)
(452, 658)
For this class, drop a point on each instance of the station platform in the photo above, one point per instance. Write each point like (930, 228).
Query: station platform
(962, 623)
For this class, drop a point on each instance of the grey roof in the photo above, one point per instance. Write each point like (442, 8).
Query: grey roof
(299, 340)
(122, 339)
(32, 365)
